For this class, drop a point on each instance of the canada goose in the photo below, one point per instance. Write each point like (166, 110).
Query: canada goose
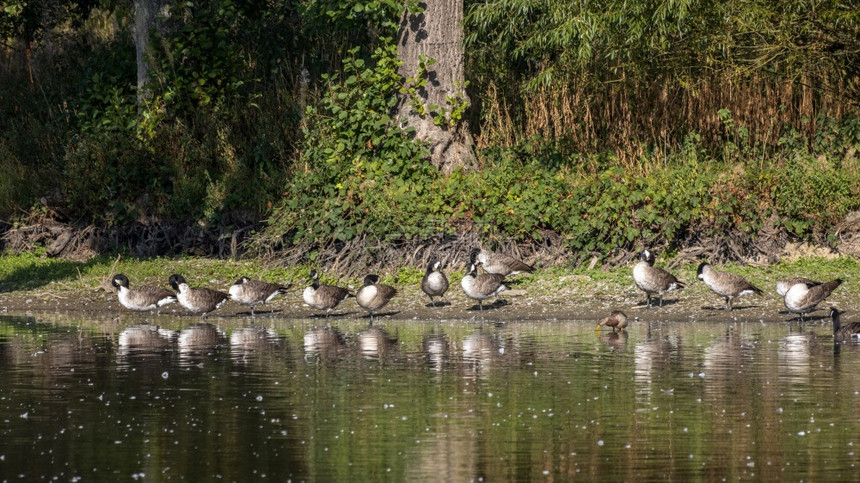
(483, 286)
(255, 292)
(143, 298)
(782, 286)
(617, 320)
(434, 283)
(373, 295)
(803, 298)
(197, 300)
(651, 279)
(323, 297)
(843, 332)
(498, 263)
(725, 284)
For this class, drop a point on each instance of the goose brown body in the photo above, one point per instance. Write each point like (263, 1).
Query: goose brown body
(483, 286)
(653, 280)
(782, 286)
(323, 297)
(727, 285)
(197, 300)
(843, 332)
(498, 263)
(434, 283)
(374, 295)
(143, 298)
(803, 298)
(255, 292)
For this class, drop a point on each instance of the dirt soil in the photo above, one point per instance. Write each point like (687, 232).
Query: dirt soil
(533, 304)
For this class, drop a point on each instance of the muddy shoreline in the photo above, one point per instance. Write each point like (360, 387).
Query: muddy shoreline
(520, 305)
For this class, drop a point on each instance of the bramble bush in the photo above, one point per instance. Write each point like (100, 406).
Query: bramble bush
(382, 188)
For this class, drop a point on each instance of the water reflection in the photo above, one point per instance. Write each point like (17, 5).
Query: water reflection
(426, 401)
(651, 359)
(375, 342)
(199, 341)
(480, 350)
(248, 344)
(324, 344)
(145, 340)
(436, 349)
(616, 341)
(794, 359)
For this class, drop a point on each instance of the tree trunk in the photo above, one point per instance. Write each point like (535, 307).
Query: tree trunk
(436, 33)
(145, 16)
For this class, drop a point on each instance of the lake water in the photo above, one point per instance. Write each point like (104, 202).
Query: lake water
(89, 398)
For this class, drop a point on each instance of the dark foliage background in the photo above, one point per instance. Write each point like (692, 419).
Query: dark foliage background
(602, 127)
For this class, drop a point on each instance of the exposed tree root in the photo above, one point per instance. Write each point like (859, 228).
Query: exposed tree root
(369, 254)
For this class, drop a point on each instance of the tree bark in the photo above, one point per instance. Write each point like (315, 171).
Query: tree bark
(145, 19)
(436, 33)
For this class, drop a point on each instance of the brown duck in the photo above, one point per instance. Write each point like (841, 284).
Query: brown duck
(617, 320)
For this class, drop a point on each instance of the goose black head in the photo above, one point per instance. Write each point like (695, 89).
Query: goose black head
(647, 256)
(242, 280)
(119, 280)
(371, 279)
(434, 265)
(834, 315)
(473, 255)
(175, 280)
(472, 270)
(701, 269)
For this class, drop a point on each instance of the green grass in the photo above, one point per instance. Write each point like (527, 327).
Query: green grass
(35, 271)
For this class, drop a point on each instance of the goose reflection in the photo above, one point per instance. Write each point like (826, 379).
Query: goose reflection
(64, 351)
(199, 340)
(727, 356)
(479, 351)
(324, 343)
(248, 342)
(729, 366)
(374, 342)
(435, 350)
(651, 359)
(145, 340)
(794, 360)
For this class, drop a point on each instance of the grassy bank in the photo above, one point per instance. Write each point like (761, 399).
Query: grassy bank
(34, 277)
